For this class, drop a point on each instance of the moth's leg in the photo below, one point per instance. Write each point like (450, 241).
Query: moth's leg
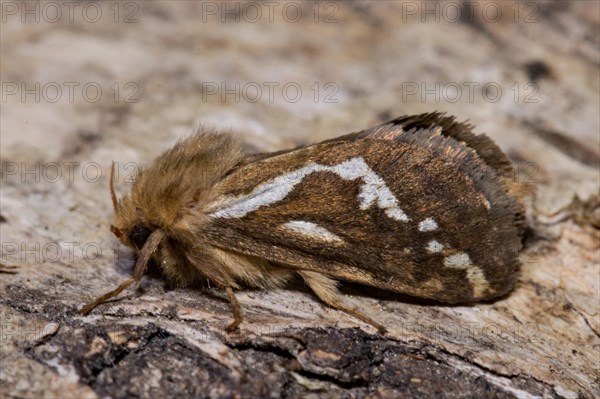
(138, 272)
(326, 289)
(237, 311)
(114, 293)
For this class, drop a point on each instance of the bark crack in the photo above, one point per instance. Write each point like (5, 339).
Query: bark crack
(483, 369)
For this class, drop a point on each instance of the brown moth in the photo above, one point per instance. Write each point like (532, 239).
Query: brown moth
(419, 205)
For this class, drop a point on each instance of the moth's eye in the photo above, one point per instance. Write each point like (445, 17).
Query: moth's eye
(116, 231)
(139, 234)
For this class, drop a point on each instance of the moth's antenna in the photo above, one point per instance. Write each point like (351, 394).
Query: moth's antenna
(112, 188)
(140, 268)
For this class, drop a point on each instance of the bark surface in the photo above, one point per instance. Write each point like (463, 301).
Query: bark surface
(528, 79)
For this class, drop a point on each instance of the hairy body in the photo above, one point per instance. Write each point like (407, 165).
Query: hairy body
(419, 205)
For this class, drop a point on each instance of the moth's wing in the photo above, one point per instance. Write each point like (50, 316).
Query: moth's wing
(411, 129)
(404, 129)
(424, 130)
(412, 211)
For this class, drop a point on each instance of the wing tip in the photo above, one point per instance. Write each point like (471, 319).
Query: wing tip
(453, 139)
(440, 123)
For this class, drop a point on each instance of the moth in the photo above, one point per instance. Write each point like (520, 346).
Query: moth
(419, 205)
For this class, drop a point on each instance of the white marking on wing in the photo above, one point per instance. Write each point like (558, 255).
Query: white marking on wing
(428, 225)
(264, 194)
(474, 273)
(312, 230)
(373, 189)
(434, 246)
(459, 261)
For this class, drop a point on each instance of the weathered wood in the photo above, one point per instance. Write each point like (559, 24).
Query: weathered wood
(380, 60)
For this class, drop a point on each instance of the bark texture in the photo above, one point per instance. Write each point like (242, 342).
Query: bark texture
(525, 73)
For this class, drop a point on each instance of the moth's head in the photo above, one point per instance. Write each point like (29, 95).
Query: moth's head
(170, 192)
(167, 198)
(135, 230)
(129, 224)
(134, 235)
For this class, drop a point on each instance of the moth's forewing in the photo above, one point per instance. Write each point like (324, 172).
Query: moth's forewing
(416, 212)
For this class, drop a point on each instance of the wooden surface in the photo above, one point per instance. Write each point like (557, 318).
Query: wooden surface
(356, 64)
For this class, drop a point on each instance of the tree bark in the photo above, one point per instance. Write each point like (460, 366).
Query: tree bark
(540, 341)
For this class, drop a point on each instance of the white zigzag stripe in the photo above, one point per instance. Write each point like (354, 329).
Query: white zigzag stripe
(372, 190)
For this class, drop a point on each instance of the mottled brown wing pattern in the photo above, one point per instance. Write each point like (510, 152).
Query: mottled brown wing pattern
(403, 207)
